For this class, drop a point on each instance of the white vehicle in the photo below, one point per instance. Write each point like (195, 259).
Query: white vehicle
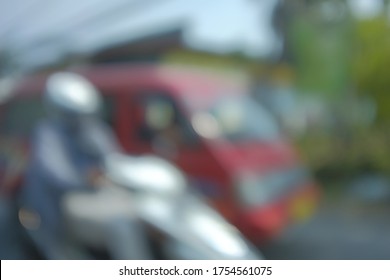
(179, 223)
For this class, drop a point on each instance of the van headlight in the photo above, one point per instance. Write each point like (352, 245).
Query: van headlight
(252, 191)
(255, 190)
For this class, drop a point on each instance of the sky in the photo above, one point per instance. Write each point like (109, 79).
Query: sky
(40, 31)
(366, 8)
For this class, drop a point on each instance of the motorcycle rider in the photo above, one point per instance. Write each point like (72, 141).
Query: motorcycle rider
(64, 198)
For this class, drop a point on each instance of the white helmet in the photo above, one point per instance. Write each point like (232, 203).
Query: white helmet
(70, 95)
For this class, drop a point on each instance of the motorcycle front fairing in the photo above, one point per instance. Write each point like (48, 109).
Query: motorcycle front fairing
(192, 229)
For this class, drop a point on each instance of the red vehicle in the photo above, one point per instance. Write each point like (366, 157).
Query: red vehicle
(207, 125)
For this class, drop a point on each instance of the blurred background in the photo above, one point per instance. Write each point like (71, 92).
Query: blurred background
(319, 67)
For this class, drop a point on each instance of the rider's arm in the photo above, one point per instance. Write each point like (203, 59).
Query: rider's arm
(100, 138)
(54, 161)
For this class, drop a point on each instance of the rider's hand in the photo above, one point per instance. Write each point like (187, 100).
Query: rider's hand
(96, 178)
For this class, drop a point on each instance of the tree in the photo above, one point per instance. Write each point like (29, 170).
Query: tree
(372, 61)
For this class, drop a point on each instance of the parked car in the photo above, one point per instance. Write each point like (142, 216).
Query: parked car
(204, 123)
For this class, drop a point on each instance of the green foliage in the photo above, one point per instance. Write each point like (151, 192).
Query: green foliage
(321, 54)
(356, 152)
(338, 60)
(372, 61)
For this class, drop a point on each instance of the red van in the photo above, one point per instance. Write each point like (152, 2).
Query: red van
(206, 124)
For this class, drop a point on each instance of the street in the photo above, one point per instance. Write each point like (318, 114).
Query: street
(341, 229)
(11, 246)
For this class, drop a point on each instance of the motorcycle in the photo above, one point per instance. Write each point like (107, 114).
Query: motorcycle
(178, 222)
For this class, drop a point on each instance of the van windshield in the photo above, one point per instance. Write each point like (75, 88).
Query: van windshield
(235, 118)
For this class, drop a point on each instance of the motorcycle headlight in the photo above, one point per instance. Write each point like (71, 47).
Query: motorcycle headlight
(218, 235)
(210, 234)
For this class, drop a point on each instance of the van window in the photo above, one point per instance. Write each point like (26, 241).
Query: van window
(235, 118)
(108, 110)
(162, 119)
(20, 116)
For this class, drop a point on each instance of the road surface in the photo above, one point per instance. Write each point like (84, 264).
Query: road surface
(341, 229)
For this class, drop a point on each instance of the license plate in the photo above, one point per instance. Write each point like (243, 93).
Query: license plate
(302, 208)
